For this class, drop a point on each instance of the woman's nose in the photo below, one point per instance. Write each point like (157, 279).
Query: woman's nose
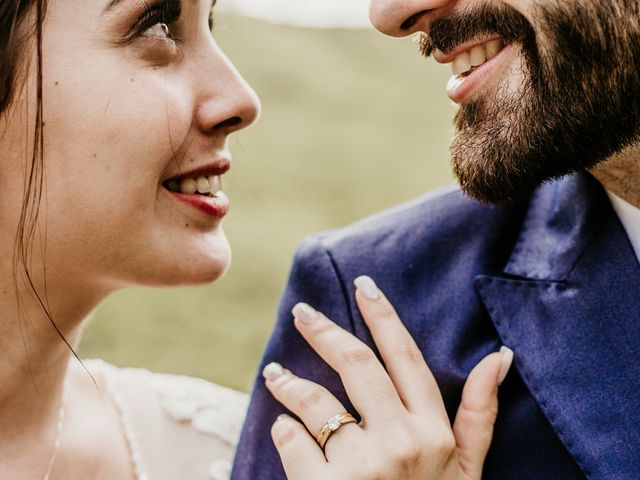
(230, 103)
(399, 18)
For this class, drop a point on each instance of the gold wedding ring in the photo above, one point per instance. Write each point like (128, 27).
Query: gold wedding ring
(332, 426)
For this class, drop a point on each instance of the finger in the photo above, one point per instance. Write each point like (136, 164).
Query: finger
(476, 417)
(310, 402)
(364, 378)
(298, 452)
(403, 359)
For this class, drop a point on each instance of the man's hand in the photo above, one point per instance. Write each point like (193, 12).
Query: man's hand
(405, 432)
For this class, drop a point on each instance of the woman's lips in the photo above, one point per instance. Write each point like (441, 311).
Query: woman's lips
(216, 206)
(201, 188)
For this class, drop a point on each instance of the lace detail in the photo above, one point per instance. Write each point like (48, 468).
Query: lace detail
(220, 470)
(184, 426)
(209, 408)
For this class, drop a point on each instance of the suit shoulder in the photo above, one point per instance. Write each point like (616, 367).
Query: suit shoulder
(445, 213)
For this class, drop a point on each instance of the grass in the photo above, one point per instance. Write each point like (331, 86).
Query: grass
(353, 123)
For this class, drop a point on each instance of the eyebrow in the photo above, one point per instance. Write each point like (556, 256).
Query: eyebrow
(114, 3)
(111, 5)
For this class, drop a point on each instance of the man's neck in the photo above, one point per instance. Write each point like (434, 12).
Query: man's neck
(621, 174)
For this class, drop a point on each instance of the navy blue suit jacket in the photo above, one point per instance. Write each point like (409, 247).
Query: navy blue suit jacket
(554, 278)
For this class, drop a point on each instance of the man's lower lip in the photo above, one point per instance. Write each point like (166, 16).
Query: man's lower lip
(478, 77)
(216, 207)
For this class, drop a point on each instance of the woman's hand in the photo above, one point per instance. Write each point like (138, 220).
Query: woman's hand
(405, 432)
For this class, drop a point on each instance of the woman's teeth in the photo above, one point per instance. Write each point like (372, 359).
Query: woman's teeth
(465, 62)
(211, 185)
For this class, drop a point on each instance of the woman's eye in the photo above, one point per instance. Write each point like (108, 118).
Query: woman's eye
(160, 29)
(159, 18)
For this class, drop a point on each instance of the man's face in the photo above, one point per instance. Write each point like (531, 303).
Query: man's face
(545, 87)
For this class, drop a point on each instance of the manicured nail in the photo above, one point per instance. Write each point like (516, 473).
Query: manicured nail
(367, 287)
(284, 416)
(273, 371)
(507, 360)
(304, 313)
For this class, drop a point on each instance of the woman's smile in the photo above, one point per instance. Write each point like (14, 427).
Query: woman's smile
(202, 188)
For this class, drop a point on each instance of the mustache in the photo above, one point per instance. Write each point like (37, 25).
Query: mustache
(449, 31)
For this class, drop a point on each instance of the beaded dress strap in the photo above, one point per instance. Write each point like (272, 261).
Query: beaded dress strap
(122, 408)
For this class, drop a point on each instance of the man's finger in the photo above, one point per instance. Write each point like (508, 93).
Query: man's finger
(473, 427)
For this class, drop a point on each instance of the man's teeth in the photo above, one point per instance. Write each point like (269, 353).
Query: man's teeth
(203, 185)
(493, 48)
(461, 64)
(475, 57)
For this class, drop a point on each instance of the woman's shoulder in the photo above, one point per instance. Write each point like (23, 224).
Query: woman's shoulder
(181, 423)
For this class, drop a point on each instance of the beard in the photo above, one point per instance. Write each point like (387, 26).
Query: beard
(578, 104)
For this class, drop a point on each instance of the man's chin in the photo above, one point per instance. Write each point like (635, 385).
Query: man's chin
(502, 181)
(501, 153)
(489, 171)
(495, 173)
(486, 189)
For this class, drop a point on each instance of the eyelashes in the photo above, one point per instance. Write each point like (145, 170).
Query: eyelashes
(162, 11)
(158, 24)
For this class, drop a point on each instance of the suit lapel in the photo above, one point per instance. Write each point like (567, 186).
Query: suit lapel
(568, 303)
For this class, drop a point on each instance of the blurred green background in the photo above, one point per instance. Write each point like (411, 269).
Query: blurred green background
(353, 122)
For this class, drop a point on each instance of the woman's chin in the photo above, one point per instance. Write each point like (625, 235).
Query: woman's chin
(205, 263)
(206, 273)
(208, 269)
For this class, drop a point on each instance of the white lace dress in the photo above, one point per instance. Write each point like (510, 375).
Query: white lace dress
(177, 427)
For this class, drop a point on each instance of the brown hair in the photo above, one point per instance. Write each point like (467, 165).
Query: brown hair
(13, 37)
(16, 38)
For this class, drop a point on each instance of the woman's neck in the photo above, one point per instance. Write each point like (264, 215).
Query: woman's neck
(34, 356)
(33, 367)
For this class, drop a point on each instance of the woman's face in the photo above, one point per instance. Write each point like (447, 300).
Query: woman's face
(136, 93)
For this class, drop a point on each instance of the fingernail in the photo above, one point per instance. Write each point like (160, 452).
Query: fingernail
(273, 371)
(304, 313)
(507, 360)
(284, 416)
(367, 287)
